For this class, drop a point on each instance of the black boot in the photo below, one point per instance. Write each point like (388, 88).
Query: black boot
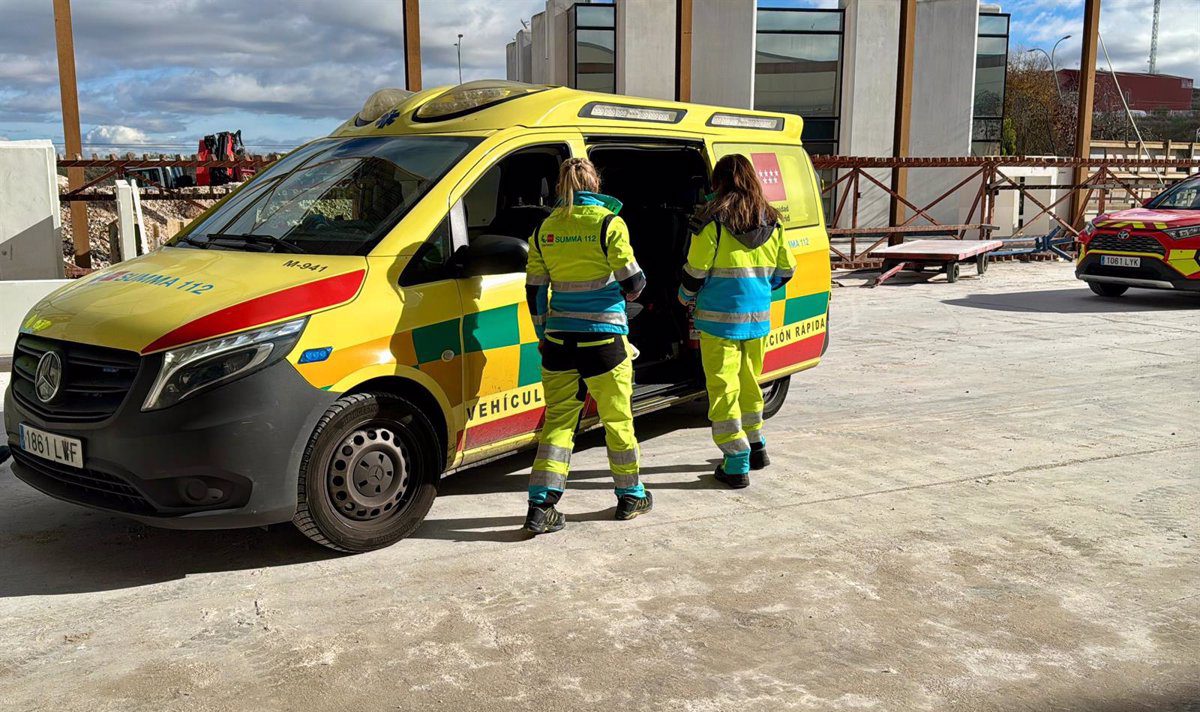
(734, 481)
(544, 519)
(629, 506)
(758, 456)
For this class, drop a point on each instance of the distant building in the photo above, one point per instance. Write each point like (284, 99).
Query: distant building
(1143, 92)
(835, 68)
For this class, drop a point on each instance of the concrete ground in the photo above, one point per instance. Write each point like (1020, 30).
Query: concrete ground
(985, 499)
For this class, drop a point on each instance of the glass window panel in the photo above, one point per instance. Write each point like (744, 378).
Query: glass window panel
(797, 74)
(595, 16)
(989, 76)
(993, 25)
(986, 129)
(801, 202)
(594, 55)
(819, 130)
(985, 148)
(792, 21)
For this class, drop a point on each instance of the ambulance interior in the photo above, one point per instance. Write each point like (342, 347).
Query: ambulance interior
(659, 185)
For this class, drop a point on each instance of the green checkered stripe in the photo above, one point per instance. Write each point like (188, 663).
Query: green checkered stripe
(489, 330)
(797, 309)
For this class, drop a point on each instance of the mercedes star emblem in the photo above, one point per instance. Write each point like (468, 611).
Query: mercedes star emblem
(48, 377)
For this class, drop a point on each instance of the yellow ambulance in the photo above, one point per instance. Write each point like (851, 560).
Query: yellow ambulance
(324, 343)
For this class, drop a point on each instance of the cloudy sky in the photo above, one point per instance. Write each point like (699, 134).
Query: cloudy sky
(165, 72)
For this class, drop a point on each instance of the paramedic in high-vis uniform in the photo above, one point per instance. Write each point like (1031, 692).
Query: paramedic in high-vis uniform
(581, 272)
(735, 261)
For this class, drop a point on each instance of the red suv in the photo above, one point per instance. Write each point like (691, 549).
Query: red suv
(1156, 246)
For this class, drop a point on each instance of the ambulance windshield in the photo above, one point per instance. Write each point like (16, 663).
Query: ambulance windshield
(331, 197)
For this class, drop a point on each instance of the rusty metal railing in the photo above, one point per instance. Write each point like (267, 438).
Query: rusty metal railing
(853, 243)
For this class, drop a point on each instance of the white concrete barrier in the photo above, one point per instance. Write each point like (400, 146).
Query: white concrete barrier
(16, 298)
(30, 228)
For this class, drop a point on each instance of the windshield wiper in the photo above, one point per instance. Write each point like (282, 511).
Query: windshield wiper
(259, 240)
(188, 239)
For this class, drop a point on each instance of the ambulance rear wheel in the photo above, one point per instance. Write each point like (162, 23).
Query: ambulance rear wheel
(774, 394)
(369, 473)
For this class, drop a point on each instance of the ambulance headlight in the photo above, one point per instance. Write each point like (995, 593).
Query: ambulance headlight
(188, 370)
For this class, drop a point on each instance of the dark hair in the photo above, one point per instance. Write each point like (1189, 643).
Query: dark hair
(739, 203)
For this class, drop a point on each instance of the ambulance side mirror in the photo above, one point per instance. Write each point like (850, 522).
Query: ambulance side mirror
(492, 254)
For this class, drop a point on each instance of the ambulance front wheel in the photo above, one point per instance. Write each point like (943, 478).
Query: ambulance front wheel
(774, 393)
(369, 473)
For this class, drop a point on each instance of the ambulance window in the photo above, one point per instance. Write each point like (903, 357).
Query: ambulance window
(786, 175)
(516, 194)
(431, 262)
(332, 197)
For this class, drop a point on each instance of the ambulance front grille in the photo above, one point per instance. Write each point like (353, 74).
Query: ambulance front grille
(95, 379)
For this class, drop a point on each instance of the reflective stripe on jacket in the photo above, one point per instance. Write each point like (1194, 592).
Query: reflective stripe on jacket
(731, 277)
(578, 273)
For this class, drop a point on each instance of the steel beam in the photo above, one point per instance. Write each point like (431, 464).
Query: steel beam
(683, 50)
(412, 45)
(1087, 93)
(904, 82)
(69, 92)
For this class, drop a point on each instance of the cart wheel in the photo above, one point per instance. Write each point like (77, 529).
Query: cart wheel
(951, 272)
(981, 263)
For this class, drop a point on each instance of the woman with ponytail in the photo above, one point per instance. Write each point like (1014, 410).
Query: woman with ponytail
(581, 272)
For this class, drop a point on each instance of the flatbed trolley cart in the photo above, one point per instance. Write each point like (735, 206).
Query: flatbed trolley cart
(946, 255)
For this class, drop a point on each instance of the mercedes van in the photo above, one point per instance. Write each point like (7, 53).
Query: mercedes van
(322, 344)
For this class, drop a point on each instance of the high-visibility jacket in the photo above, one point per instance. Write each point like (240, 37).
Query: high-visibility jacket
(731, 277)
(581, 266)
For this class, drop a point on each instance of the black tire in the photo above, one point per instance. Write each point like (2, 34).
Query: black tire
(951, 272)
(981, 264)
(774, 394)
(392, 445)
(1107, 290)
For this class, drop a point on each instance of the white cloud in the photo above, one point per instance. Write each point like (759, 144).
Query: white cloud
(287, 67)
(118, 135)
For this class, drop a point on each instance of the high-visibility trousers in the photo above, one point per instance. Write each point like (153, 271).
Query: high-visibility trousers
(735, 400)
(574, 365)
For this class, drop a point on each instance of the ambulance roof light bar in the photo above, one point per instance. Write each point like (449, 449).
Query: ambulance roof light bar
(628, 112)
(743, 121)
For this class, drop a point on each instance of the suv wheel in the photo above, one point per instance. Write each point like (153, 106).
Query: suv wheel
(369, 474)
(1107, 290)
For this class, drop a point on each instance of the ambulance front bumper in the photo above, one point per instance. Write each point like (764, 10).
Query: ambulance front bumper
(225, 458)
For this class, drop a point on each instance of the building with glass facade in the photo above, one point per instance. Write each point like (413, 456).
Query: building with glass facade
(834, 67)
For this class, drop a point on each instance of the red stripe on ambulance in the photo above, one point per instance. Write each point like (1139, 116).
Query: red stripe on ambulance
(503, 428)
(293, 301)
(794, 353)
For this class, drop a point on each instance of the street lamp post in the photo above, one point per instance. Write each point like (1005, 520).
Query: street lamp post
(1053, 67)
(458, 47)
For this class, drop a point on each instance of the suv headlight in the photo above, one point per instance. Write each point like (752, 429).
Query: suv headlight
(1182, 233)
(188, 370)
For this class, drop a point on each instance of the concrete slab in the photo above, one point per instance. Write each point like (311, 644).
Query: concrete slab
(1020, 535)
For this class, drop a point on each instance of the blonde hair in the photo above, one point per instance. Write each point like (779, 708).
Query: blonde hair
(574, 175)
